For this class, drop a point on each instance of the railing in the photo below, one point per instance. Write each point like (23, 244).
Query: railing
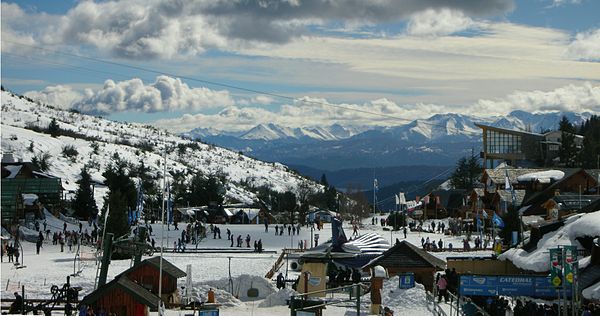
(353, 290)
(433, 306)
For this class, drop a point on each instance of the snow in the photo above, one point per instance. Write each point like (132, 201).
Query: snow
(592, 292)
(200, 294)
(538, 260)
(404, 301)
(278, 298)
(242, 283)
(542, 176)
(379, 272)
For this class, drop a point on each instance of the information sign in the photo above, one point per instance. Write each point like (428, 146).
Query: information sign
(407, 281)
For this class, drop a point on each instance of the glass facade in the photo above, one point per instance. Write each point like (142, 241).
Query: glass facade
(503, 143)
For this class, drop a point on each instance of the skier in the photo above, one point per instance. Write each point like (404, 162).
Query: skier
(38, 243)
(404, 231)
(248, 241)
(229, 234)
(276, 230)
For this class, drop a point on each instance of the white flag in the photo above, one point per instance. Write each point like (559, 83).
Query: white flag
(402, 198)
(397, 199)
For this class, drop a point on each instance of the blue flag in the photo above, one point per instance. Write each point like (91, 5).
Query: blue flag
(498, 220)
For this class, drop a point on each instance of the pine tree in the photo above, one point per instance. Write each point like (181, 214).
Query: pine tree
(589, 157)
(84, 204)
(568, 149)
(53, 128)
(117, 216)
(466, 174)
(205, 190)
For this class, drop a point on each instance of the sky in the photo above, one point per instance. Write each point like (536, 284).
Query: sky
(233, 64)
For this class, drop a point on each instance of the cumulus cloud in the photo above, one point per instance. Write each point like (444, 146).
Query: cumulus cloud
(164, 94)
(574, 98)
(169, 28)
(586, 45)
(438, 22)
(59, 96)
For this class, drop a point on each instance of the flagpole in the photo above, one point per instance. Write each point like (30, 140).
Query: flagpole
(162, 235)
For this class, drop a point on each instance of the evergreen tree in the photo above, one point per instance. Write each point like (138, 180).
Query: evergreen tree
(467, 173)
(589, 157)
(53, 128)
(117, 215)
(122, 196)
(84, 204)
(205, 190)
(568, 149)
(324, 181)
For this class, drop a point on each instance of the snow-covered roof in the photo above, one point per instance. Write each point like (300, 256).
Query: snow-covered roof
(14, 170)
(538, 260)
(29, 198)
(592, 292)
(546, 176)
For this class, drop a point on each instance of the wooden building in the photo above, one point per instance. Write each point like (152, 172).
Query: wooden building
(405, 257)
(123, 297)
(147, 272)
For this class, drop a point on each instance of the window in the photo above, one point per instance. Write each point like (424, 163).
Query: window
(503, 143)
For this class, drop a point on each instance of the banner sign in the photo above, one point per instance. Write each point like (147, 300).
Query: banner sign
(570, 262)
(508, 285)
(556, 266)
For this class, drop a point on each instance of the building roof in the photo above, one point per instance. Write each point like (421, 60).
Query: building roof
(589, 276)
(542, 196)
(507, 196)
(406, 255)
(510, 131)
(498, 175)
(138, 292)
(168, 267)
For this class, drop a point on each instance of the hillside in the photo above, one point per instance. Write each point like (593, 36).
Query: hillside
(97, 140)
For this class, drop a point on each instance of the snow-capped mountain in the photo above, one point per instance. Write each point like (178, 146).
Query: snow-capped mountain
(97, 140)
(272, 131)
(438, 140)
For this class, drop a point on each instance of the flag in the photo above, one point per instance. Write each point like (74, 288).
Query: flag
(556, 266)
(498, 220)
(139, 208)
(375, 185)
(484, 214)
(402, 198)
(417, 198)
(437, 200)
(169, 205)
(397, 199)
(479, 224)
(509, 188)
(426, 199)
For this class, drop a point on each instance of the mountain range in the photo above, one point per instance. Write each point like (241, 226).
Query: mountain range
(439, 140)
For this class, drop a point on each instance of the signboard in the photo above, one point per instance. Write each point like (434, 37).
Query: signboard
(509, 285)
(478, 285)
(407, 281)
(208, 313)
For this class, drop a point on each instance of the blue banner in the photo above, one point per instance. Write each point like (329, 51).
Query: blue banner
(508, 285)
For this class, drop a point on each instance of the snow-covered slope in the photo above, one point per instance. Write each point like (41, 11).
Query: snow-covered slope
(19, 116)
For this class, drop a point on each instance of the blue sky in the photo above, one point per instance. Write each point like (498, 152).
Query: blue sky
(402, 59)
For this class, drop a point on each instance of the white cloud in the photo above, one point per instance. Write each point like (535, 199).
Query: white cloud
(573, 98)
(60, 96)
(164, 94)
(586, 45)
(309, 111)
(438, 22)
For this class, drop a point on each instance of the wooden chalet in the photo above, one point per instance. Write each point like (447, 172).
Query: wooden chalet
(405, 257)
(121, 297)
(147, 272)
